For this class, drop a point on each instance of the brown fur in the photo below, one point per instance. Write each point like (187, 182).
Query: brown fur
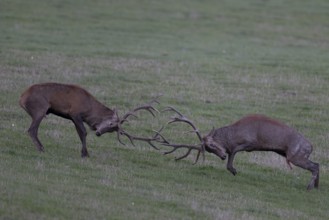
(68, 101)
(260, 133)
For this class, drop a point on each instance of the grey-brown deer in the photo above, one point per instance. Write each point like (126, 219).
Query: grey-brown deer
(76, 104)
(251, 133)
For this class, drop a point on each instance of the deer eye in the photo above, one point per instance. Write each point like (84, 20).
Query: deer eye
(110, 123)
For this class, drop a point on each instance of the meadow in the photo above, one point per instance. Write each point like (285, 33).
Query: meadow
(215, 61)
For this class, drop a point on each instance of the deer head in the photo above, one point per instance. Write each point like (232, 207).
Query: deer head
(115, 124)
(213, 146)
(110, 124)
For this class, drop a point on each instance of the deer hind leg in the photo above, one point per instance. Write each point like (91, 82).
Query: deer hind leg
(37, 113)
(33, 132)
(313, 167)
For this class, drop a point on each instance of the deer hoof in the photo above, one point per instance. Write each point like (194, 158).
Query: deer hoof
(232, 170)
(84, 154)
(310, 186)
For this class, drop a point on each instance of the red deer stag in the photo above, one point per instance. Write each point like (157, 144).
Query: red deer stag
(76, 104)
(251, 133)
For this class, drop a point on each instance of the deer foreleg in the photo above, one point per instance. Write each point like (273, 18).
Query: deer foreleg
(312, 167)
(229, 165)
(82, 134)
(231, 156)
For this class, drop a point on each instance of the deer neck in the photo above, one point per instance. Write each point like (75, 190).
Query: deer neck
(97, 115)
(222, 136)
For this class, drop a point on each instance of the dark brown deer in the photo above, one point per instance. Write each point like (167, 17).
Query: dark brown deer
(76, 104)
(251, 133)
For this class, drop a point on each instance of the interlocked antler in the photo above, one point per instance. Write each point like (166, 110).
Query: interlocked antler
(182, 118)
(147, 107)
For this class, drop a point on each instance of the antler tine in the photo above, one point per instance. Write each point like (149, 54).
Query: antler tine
(148, 140)
(118, 136)
(182, 118)
(155, 100)
(189, 147)
(125, 119)
(177, 146)
(131, 138)
(147, 107)
(203, 155)
(170, 108)
(185, 155)
(163, 141)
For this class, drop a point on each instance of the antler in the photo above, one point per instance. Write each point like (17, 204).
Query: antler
(165, 142)
(132, 138)
(147, 107)
(182, 118)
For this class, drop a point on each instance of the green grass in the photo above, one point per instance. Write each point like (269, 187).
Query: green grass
(214, 60)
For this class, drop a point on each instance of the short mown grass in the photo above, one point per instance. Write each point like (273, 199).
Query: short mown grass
(215, 61)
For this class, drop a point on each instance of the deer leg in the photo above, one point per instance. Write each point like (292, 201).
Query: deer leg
(229, 165)
(82, 134)
(231, 156)
(305, 163)
(33, 132)
(37, 108)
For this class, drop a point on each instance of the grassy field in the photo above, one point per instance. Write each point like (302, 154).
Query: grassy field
(213, 60)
